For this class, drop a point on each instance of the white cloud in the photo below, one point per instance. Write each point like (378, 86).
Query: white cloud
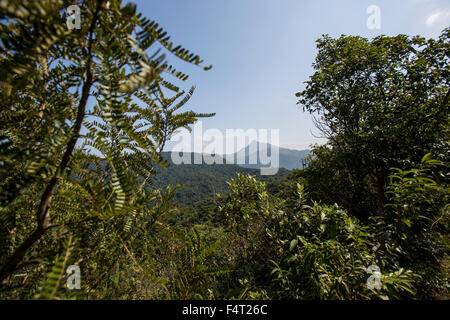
(438, 17)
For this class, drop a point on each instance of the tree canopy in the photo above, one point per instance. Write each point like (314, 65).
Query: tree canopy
(86, 114)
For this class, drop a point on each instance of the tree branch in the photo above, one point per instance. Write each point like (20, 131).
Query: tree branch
(44, 205)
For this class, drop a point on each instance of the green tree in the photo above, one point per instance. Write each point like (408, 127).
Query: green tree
(286, 249)
(383, 104)
(76, 150)
(414, 230)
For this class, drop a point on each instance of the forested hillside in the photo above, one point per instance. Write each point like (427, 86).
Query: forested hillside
(202, 180)
(89, 208)
(200, 184)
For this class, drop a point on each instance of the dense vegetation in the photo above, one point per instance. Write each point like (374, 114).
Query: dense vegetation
(86, 115)
(200, 184)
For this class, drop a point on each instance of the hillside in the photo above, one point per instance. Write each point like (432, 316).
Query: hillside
(201, 182)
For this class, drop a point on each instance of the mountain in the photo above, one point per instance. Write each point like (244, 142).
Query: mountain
(288, 158)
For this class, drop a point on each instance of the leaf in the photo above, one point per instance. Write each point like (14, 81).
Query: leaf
(293, 244)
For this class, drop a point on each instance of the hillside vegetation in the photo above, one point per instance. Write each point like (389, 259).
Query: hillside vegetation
(85, 118)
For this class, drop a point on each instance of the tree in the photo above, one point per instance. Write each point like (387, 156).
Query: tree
(383, 105)
(50, 74)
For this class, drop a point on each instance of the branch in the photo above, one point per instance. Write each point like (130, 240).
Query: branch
(44, 206)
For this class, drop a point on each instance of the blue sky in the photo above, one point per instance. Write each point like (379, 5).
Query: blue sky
(262, 51)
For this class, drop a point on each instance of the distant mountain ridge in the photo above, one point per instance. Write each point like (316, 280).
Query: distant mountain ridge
(249, 157)
(202, 181)
(288, 158)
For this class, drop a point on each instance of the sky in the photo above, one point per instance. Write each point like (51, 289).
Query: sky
(262, 52)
